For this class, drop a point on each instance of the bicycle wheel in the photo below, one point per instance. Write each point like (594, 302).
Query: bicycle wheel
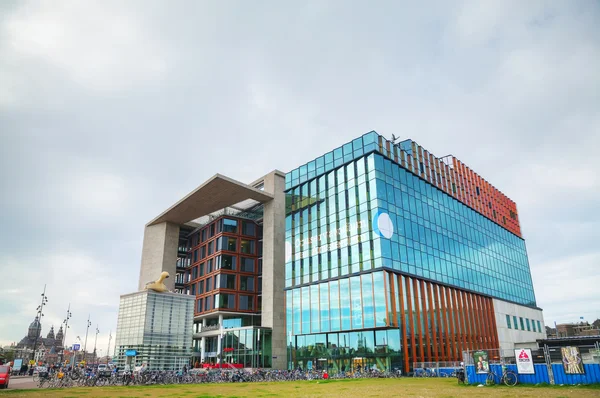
(491, 379)
(510, 378)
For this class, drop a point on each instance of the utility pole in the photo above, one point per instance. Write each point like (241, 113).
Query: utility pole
(86, 335)
(108, 349)
(95, 341)
(38, 317)
(62, 343)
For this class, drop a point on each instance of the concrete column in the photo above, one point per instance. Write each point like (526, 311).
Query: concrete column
(159, 253)
(202, 348)
(273, 310)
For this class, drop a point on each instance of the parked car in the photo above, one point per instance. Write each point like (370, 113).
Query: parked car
(4, 376)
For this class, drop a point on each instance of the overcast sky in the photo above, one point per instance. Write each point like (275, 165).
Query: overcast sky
(111, 111)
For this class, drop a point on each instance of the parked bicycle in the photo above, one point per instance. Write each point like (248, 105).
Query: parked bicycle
(508, 377)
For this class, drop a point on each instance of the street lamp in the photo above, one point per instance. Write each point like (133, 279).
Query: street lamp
(95, 341)
(86, 335)
(108, 349)
(39, 316)
(66, 323)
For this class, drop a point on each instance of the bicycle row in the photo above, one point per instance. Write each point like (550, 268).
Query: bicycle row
(90, 379)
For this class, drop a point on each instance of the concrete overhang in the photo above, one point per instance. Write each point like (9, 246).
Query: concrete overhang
(215, 194)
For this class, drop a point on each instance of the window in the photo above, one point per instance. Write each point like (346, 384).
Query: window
(193, 291)
(202, 252)
(194, 272)
(212, 230)
(477, 189)
(208, 303)
(247, 264)
(195, 256)
(226, 243)
(208, 287)
(201, 270)
(229, 225)
(515, 324)
(508, 321)
(539, 327)
(203, 235)
(522, 324)
(528, 325)
(247, 283)
(533, 325)
(199, 305)
(247, 246)
(200, 287)
(246, 302)
(226, 262)
(225, 300)
(227, 281)
(248, 228)
(210, 247)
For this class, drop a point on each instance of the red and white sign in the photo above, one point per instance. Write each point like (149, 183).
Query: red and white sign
(524, 361)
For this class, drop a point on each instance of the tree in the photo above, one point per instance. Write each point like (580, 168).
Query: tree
(596, 324)
(9, 356)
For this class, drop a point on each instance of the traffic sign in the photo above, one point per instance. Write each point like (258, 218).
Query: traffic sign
(76, 347)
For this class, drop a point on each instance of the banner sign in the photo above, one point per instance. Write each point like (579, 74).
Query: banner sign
(480, 359)
(18, 363)
(572, 361)
(524, 361)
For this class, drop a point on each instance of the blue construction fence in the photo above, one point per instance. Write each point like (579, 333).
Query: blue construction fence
(591, 374)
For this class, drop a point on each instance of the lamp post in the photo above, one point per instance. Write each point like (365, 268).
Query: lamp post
(62, 343)
(39, 316)
(95, 341)
(108, 349)
(86, 335)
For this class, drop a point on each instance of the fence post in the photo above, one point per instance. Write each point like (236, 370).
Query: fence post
(465, 356)
(548, 363)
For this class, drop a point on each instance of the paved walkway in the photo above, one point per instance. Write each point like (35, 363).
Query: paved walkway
(21, 382)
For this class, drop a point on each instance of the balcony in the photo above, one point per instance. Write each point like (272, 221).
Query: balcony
(183, 264)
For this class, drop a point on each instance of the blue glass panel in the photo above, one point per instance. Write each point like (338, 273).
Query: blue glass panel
(367, 297)
(356, 298)
(345, 303)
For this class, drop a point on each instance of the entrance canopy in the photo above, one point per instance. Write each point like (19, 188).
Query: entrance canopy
(215, 194)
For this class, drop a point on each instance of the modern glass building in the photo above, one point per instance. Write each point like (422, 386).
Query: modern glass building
(394, 256)
(376, 253)
(154, 328)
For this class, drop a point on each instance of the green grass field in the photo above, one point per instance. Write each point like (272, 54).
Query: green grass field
(404, 387)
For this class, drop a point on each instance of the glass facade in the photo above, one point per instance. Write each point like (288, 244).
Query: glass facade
(354, 217)
(157, 327)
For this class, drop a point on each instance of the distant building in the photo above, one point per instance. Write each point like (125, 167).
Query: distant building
(154, 328)
(576, 329)
(46, 348)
